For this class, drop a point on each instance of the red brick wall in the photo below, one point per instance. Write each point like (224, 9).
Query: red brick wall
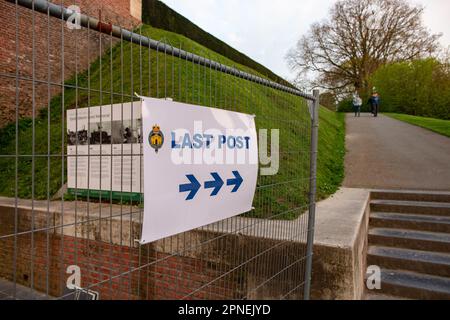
(43, 257)
(171, 277)
(210, 266)
(50, 36)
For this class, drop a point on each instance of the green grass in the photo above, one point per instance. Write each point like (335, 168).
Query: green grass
(435, 125)
(283, 195)
(331, 145)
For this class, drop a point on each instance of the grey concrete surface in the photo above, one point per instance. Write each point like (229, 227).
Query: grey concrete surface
(386, 153)
(339, 217)
(97, 221)
(340, 245)
(21, 292)
(340, 237)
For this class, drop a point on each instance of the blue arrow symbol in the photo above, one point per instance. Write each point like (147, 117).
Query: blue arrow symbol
(217, 183)
(191, 187)
(237, 181)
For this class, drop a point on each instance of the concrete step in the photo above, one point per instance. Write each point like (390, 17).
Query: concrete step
(375, 296)
(432, 263)
(411, 195)
(413, 285)
(410, 221)
(415, 207)
(410, 239)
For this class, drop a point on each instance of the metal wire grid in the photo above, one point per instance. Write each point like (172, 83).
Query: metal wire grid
(260, 254)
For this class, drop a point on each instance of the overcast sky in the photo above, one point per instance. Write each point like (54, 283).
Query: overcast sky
(266, 29)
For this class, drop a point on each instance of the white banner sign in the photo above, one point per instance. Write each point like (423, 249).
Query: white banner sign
(200, 166)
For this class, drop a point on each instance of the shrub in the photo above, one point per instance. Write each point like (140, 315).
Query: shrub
(419, 87)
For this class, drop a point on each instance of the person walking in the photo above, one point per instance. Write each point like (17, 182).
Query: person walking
(374, 102)
(357, 103)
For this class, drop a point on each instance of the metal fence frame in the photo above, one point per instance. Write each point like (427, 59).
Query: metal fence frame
(56, 11)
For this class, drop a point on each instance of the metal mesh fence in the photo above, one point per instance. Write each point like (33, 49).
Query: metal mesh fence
(46, 230)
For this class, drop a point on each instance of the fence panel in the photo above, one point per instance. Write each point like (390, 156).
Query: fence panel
(49, 232)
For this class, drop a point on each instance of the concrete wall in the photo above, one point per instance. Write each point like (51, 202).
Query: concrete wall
(227, 265)
(217, 265)
(50, 37)
(340, 245)
(136, 9)
(261, 261)
(102, 248)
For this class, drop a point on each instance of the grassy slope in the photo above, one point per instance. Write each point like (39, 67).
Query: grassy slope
(118, 71)
(435, 125)
(330, 164)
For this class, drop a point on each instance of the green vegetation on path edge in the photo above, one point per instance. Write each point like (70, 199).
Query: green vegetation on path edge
(436, 125)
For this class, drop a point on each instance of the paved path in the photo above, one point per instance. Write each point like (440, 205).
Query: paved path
(389, 154)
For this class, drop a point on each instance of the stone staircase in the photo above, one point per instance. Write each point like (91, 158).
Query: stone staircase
(409, 239)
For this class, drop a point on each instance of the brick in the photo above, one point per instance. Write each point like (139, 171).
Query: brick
(48, 37)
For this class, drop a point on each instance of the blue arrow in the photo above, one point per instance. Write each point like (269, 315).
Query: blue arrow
(217, 183)
(191, 187)
(237, 181)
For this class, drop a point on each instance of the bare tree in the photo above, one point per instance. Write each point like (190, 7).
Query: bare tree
(359, 36)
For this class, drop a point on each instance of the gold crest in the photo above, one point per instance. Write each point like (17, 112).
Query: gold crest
(156, 138)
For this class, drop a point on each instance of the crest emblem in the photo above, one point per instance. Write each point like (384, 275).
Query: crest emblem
(156, 138)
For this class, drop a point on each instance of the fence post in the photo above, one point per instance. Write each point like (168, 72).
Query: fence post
(312, 193)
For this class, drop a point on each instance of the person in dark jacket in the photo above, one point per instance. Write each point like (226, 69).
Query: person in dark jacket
(374, 102)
